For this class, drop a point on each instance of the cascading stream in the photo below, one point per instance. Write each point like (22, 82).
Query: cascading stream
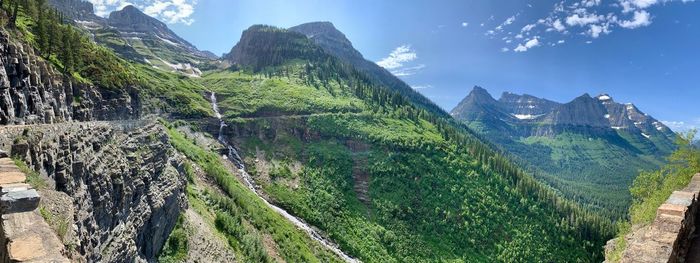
(233, 156)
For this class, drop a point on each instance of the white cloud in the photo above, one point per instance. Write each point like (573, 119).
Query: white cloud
(532, 43)
(582, 20)
(417, 87)
(640, 19)
(520, 48)
(682, 126)
(397, 57)
(168, 11)
(528, 45)
(557, 25)
(407, 71)
(596, 30)
(505, 49)
(509, 21)
(528, 27)
(465, 24)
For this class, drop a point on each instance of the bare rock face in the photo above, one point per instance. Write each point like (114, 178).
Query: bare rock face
(32, 91)
(126, 181)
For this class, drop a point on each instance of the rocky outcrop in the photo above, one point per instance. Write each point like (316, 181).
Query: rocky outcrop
(126, 182)
(670, 236)
(32, 91)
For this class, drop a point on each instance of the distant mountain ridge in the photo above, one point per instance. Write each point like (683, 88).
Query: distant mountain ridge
(590, 148)
(600, 112)
(139, 37)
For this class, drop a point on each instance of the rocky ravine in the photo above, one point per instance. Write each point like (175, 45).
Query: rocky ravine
(125, 181)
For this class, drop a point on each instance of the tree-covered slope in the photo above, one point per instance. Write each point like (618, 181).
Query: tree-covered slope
(388, 181)
(590, 149)
(253, 231)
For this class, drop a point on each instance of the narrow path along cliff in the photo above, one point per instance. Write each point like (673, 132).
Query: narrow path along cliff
(236, 160)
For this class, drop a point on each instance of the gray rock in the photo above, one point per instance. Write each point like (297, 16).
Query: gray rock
(19, 201)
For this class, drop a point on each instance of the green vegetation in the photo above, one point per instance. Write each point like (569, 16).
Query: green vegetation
(33, 178)
(66, 47)
(175, 249)
(240, 205)
(651, 188)
(436, 193)
(574, 162)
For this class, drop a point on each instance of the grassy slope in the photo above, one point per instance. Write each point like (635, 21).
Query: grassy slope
(431, 201)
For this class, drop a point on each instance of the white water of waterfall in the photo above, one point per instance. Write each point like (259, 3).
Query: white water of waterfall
(235, 158)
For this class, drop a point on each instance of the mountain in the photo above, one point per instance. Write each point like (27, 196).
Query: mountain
(590, 148)
(381, 176)
(325, 35)
(139, 37)
(291, 155)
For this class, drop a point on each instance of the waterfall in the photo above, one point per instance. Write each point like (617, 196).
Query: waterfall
(233, 156)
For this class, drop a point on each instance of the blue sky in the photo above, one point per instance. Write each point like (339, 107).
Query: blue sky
(641, 51)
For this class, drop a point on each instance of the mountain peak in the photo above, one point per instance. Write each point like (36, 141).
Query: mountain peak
(330, 39)
(478, 90)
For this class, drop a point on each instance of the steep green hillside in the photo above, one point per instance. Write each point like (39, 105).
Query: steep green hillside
(387, 181)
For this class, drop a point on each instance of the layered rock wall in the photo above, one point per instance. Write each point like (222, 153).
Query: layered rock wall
(126, 182)
(32, 91)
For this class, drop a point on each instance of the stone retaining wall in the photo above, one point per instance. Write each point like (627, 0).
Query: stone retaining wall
(24, 235)
(669, 237)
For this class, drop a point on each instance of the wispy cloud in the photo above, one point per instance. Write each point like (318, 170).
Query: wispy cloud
(168, 11)
(683, 126)
(579, 19)
(407, 71)
(397, 59)
(418, 87)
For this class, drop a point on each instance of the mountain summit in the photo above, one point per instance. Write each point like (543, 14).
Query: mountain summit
(590, 148)
(136, 36)
(334, 42)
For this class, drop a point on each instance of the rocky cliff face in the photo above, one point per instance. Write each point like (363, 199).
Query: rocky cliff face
(131, 22)
(126, 183)
(528, 115)
(526, 105)
(32, 91)
(76, 9)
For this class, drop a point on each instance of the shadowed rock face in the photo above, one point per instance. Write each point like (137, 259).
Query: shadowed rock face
(125, 181)
(32, 91)
(76, 9)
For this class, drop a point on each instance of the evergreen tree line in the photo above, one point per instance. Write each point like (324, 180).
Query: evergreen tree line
(58, 41)
(52, 36)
